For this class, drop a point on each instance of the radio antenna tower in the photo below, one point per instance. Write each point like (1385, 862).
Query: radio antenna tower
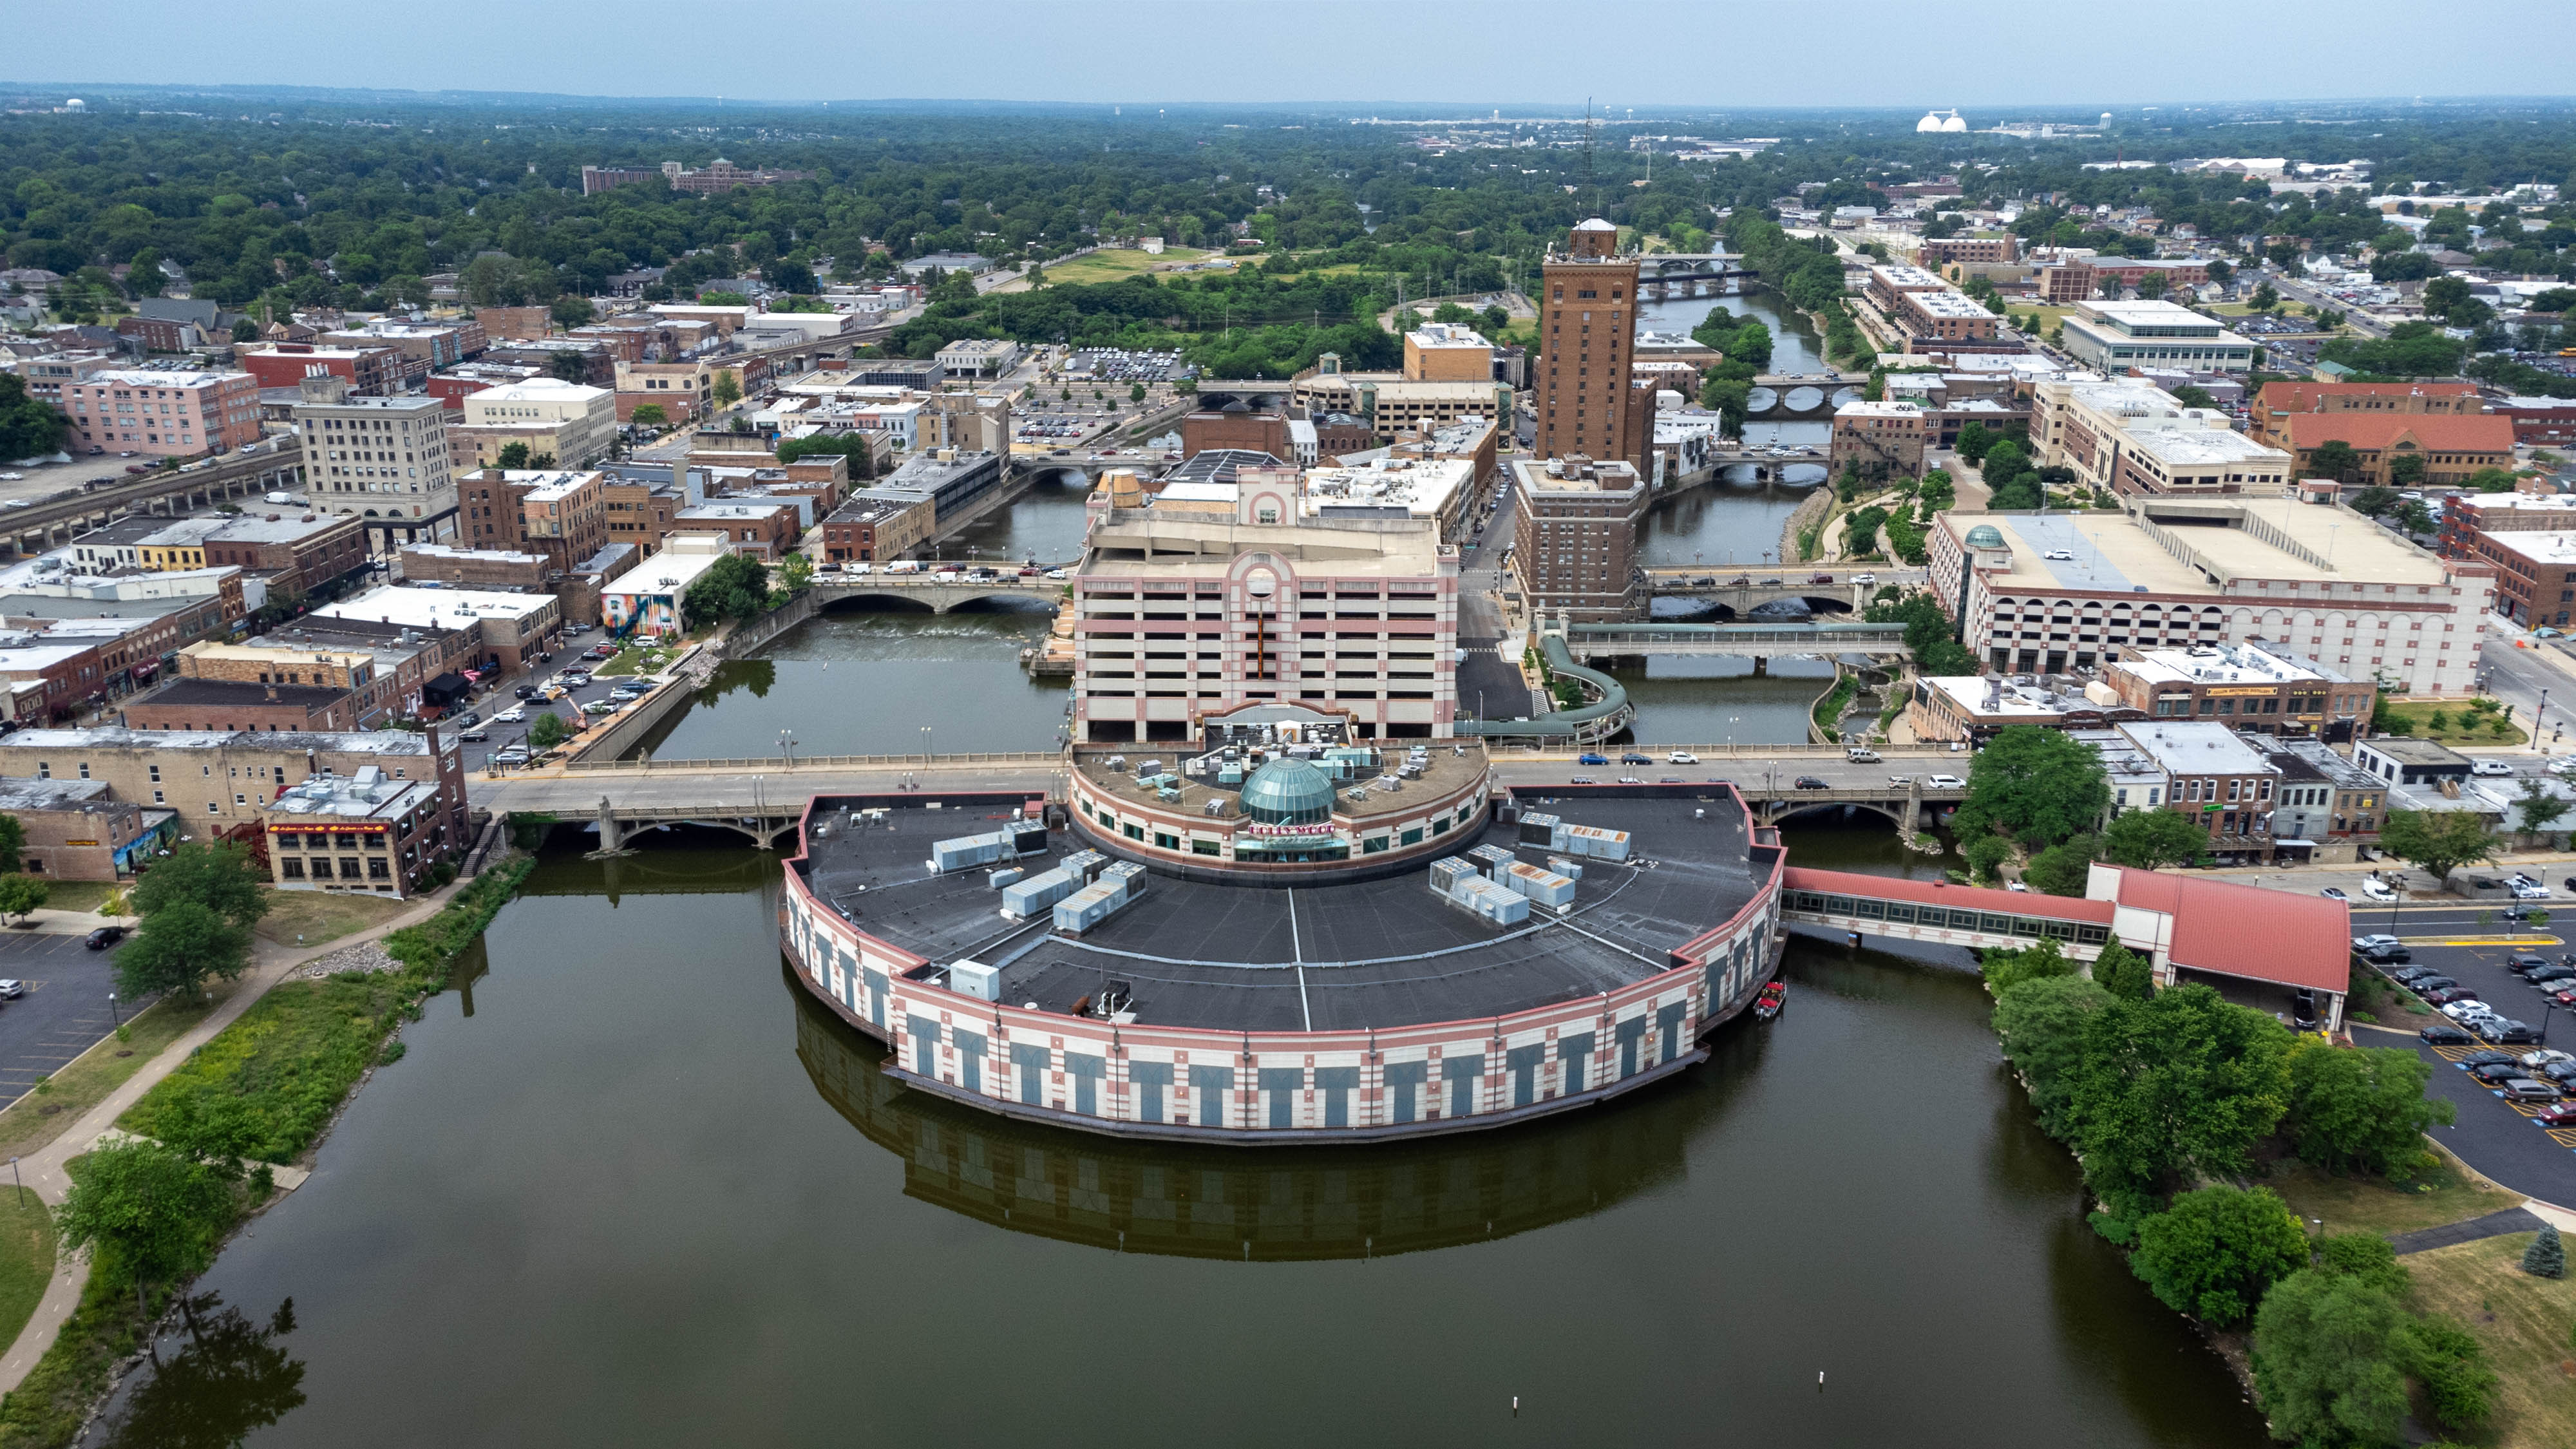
(1590, 183)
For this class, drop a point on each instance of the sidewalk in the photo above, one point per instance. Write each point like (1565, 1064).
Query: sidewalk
(45, 1171)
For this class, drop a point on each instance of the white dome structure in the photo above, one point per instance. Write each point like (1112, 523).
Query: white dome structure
(1956, 124)
(1931, 122)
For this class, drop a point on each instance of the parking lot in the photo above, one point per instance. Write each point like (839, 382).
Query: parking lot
(502, 733)
(2496, 1136)
(63, 1011)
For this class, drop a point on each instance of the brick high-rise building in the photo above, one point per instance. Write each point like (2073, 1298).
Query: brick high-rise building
(1587, 325)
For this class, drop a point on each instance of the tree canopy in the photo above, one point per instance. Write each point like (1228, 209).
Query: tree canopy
(2178, 1086)
(2216, 1251)
(2037, 785)
(2436, 841)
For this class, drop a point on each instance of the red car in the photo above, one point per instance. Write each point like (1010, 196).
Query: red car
(2562, 1115)
(2564, 998)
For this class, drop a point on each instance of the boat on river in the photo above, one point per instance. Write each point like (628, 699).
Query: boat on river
(1767, 1005)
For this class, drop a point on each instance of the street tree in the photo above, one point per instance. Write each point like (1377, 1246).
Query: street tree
(735, 586)
(2264, 298)
(2374, 501)
(2436, 842)
(177, 947)
(219, 875)
(154, 1213)
(2216, 1251)
(2536, 809)
(20, 894)
(2179, 1086)
(649, 415)
(548, 731)
(725, 387)
(2153, 839)
(2036, 785)
(2360, 1110)
(2406, 469)
(2040, 1022)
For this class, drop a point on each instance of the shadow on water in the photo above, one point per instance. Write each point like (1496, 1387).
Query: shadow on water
(219, 1376)
(1259, 1205)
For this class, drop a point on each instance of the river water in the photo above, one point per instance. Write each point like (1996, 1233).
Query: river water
(630, 1187)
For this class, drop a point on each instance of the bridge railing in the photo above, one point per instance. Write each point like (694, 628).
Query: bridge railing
(768, 763)
(1821, 634)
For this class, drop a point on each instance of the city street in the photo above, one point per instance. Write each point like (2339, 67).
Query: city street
(501, 697)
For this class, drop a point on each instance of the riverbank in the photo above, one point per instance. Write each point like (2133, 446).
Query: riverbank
(283, 1052)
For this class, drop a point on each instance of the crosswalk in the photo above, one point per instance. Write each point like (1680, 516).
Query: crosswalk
(2529, 1111)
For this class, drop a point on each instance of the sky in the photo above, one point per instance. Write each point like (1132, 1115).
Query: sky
(1709, 55)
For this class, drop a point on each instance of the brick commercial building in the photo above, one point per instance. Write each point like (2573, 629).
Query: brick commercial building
(295, 553)
(454, 385)
(1245, 417)
(1575, 538)
(2324, 799)
(1442, 352)
(2084, 279)
(370, 371)
(501, 322)
(221, 780)
(1883, 440)
(874, 527)
(506, 630)
(363, 832)
(1939, 251)
(561, 513)
(75, 830)
(80, 641)
(2218, 781)
(2452, 446)
(2541, 422)
(681, 390)
(765, 530)
(2278, 402)
(438, 344)
(381, 460)
(1185, 613)
(2466, 515)
(2129, 438)
(1587, 322)
(162, 414)
(472, 568)
(2535, 574)
(2242, 686)
(1943, 316)
(2181, 573)
(217, 704)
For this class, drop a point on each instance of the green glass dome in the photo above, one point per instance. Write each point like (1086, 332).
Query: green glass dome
(1288, 792)
(1985, 535)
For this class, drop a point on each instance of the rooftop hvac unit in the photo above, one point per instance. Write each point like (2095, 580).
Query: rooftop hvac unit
(975, 979)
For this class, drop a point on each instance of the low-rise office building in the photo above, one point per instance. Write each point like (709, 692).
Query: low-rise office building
(878, 526)
(2119, 336)
(506, 629)
(222, 781)
(1971, 708)
(366, 831)
(381, 460)
(2452, 446)
(1884, 440)
(2128, 438)
(2397, 760)
(582, 419)
(2278, 402)
(1446, 352)
(2244, 686)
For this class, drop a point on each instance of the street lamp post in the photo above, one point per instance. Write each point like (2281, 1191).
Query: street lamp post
(787, 746)
(112, 1017)
(925, 744)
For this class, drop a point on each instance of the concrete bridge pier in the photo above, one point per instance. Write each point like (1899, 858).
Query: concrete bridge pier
(1910, 824)
(1761, 666)
(612, 840)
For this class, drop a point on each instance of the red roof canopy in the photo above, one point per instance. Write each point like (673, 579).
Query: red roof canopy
(2246, 931)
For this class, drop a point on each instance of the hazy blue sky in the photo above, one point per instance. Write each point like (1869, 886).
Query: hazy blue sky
(1741, 53)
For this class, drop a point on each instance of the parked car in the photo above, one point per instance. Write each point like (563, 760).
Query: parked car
(602, 707)
(1583, 780)
(475, 732)
(2448, 995)
(2488, 1058)
(2466, 1010)
(2364, 942)
(2435, 982)
(2547, 978)
(2524, 890)
(1630, 780)
(2333, 894)
(2490, 767)
(2544, 1057)
(103, 937)
(510, 755)
(2493, 1073)
(2521, 963)
(1592, 759)
(2562, 1073)
(2562, 1114)
(2439, 1035)
(524, 691)
(2524, 1089)
(13, 989)
(2505, 1031)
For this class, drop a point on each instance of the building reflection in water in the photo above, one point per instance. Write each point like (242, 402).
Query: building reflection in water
(1279, 1204)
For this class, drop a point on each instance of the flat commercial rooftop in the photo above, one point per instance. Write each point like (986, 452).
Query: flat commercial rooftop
(2113, 552)
(1274, 957)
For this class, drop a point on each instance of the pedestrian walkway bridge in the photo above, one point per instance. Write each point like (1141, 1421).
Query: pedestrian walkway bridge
(1943, 914)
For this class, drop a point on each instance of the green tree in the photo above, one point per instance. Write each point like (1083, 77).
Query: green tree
(2334, 458)
(2546, 1257)
(795, 572)
(1984, 854)
(647, 415)
(733, 587)
(2040, 1021)
(153, 1213)
(2124, 973)
(2536, 809)
(2006, 969)
(725, 387)
(2406, 469)
(570, 312)
(29, 427)
(2436, 841)
(177, 947)
(2374, 501)
(2153, 838)
(1974, 440)
(2037, 785)
(2181, 1085)
(1928, 630)
(2458, 1384)
(2360, 1110)
(2063, 868)
(1136, 393)
(568, 365)
(218, 875)
(2264, 298)
(20, 894)
(548, 731)
(2216, 1251)
(13, 842)
(2327, 1355)
(513, 457)
(2368, 1257)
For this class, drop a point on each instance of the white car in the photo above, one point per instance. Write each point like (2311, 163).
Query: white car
(513, 715)
(2527, 890)
(2059, 555)
(2377, 890)
(2490, 767)
(12, 477)
(1946, 782)
(2545, 1056)
(1681, 757)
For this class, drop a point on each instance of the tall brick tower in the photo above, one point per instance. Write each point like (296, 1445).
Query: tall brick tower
(1587, 332)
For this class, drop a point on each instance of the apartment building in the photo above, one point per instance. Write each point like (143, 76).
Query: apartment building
(1574, 546)
(1941, 251)
(560, 513)
(1587, 323)
(583, 419)
(382, 460)
(162, 414)
(1884, 440)
(2184, 573)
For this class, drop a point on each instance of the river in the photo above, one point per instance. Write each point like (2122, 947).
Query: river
(629, 1186)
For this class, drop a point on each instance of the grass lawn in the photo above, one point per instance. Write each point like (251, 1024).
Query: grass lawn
(2420, 712)
(319, 916)
(1111, 266)
(634, 659)
(26, 1258)
(76, 895)
(40, 1117)
(2368, 1204)
(2523, 1323)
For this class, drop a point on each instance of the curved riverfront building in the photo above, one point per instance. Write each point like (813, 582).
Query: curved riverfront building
(1284, 931)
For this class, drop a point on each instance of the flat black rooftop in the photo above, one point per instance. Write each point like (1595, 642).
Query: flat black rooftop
(1278, 957)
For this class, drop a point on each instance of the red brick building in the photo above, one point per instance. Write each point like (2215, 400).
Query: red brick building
(375, 371)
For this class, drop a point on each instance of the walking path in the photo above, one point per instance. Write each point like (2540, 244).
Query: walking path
(45, 1170)
(2493, 1225)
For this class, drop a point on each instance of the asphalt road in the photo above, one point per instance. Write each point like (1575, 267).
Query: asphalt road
(2490, 1134)
(501, 697)
(64, 1011)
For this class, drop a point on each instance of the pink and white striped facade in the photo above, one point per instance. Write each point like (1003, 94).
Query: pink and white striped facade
(1279, 1087)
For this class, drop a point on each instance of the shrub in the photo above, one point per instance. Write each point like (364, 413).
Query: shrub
(2217, 1251)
